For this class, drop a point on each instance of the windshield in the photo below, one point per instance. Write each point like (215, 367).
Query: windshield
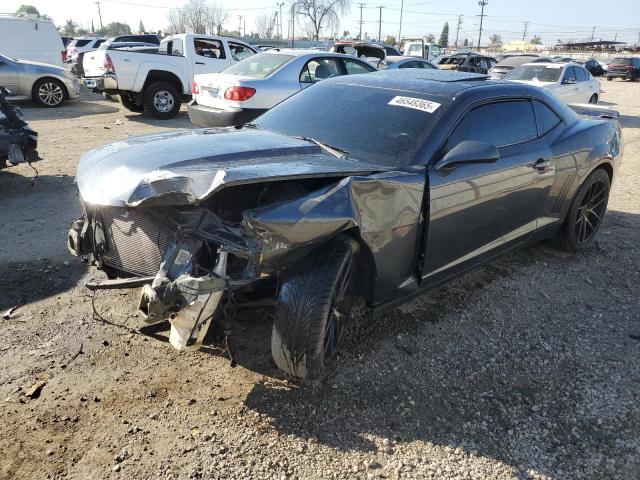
(373, 125)
(259, 65)
(536, 73)
(621, 61)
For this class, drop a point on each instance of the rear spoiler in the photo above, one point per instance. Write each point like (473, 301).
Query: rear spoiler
(589, 110)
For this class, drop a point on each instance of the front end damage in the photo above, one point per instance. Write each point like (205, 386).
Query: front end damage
(18, 142)
(197, 233)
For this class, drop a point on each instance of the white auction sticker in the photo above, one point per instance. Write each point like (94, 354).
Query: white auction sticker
(417, 103)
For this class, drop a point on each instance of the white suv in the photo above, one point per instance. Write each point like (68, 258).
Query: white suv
(82, 44)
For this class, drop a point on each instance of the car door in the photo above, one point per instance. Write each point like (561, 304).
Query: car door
(477, 210)
(318, 69)
(569, 89)
(209, 56)
(9, 77)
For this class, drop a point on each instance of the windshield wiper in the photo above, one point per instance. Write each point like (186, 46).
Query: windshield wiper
(335, 151)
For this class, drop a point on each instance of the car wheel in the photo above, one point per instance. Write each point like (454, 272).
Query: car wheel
(161, 100)
(609, 79)
(594, 99)
(313, 307)
(586, 213)
(129, 104)
(49, 92)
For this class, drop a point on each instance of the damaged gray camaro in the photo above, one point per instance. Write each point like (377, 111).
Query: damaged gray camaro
(351, 196)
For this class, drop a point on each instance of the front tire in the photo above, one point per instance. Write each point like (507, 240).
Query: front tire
(313, 307)
(161, 100)
(49, 92)
(594, 99)
(609, 79)
(586, 213)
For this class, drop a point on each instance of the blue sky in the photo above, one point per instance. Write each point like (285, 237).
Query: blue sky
(551, 19)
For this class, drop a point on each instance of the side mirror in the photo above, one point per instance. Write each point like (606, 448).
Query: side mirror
(4, 91)
(468, 151)
(570, 81)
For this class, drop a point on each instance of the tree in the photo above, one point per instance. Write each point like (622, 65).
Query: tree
(70, 28)
(495, 42)
(536, 40)
(217, 16)
(263, 25)
(430, 38)
(321, 13)
(444, 36)
(196, 16)
(31, 10)
(141, 29)
(114, 29)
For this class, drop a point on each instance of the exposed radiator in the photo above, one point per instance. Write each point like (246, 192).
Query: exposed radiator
(135, 243)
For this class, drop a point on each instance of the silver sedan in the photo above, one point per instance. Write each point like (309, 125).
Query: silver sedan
(47, 85)
(243, 91)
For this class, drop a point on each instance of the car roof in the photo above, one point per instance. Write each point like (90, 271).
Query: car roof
(437, 82)
(292, 52)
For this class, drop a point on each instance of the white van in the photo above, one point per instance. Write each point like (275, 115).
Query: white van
(26, 38)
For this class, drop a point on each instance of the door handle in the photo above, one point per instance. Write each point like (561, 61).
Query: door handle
(541, 164)
(199, 63)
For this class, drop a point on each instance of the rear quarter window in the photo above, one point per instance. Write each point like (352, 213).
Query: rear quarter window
(546, 119)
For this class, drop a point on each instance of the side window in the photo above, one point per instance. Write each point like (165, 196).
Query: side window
(239, 51)
(208, 48)
(319, 69)
(581, 74)
(483, 63)
(569, 75)
(176, 47)
(411, 65)
(498, 124)
(546, 119)
(428, 66)
(99, 42)
(353, 67)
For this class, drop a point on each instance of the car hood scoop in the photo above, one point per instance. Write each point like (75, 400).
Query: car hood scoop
(187, 166)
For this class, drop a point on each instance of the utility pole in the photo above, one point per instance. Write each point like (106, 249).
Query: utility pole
(361, 5)
(458, 30)
(280, 17)
(593, 32)
(380, 24)
(400, 29)
(99, 15)
(293, 23)
(524, 34)
(240, 25)
(482, 4)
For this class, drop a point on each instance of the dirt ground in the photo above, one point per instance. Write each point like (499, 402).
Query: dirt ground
(529, 368)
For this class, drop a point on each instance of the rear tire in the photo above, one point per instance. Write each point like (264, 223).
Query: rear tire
(586, 213)
(129, 104)
(594, 99)
(49, 92)
(313, 307)
(609, 79)
(161, 100)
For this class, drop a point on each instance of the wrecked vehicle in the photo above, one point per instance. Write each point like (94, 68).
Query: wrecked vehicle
(344, 200)
(18, 142)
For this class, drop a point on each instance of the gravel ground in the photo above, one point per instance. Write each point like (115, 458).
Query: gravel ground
(529, 368)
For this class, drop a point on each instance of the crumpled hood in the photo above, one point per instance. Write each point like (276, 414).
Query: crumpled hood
(187, 166)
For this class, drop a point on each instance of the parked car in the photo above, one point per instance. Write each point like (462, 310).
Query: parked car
(47, 85)
(249, 88)
(624, 68)
(32, 40)
(158, 84)
(394, 62)
(594, 67)
(569, 82)
(66, 40)
(466, 62)
(504, 66)
(421, 49)
(141, 38)
(18, 142)
(81, 45)
(360, 191)
(369, 52)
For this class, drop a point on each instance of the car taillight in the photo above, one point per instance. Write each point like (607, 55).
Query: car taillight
(64, 55)
(195, 90)
(108, 64)
(239, 94)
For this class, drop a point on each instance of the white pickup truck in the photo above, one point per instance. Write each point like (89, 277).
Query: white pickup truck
(159, 82)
